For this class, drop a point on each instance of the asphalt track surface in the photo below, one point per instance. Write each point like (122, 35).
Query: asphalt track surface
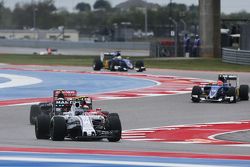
(138, 113)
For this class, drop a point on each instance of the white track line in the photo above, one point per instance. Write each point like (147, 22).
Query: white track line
(18, 80)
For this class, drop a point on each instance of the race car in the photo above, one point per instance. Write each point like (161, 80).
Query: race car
(79, 123)
(47, 107)
(49, 51)
(114, 62)
(227, 89)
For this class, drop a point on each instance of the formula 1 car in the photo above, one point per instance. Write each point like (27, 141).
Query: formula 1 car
(79, 123)
(47, 107)
(114, 62)
(48, 51)
(227, 89)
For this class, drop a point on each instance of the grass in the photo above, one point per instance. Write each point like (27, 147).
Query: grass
(47, 59)
(182, 64)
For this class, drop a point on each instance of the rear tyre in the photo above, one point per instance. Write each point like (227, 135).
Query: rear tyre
(114, 125)
(45, 108)
(97, 65)
(57, 128)
(34, 112)
(243, 94)
(196, 93)
(42, 127)
(232, 93)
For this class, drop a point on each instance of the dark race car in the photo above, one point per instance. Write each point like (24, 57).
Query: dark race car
(227, 89)
(47, 107)
(114, 62)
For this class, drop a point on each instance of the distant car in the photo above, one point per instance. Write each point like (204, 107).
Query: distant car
(79, 123)
(49, 51)
(47, 107)
(114, 62)
(227, 89)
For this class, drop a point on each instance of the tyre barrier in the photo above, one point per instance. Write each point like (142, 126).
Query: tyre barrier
(236, 56)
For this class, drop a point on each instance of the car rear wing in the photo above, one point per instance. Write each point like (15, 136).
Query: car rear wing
(109, 55)
(225, 78)
(66, 93)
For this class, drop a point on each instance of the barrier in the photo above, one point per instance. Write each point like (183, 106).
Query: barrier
(76, 45)
(236, 56)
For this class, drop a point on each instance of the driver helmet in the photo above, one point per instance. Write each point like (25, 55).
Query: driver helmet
(219, 82)
(117, 53)
(85, 107)
(60, 96)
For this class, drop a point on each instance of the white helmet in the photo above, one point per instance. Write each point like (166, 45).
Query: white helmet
(85, 107)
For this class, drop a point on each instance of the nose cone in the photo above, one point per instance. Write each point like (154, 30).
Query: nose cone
(213, 92)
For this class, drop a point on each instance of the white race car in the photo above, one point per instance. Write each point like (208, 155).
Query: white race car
(79, 123)
(49, 51)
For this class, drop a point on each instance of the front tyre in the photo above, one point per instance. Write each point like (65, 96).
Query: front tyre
(42, 127)
(232, 94)
(58, 128)
(196, 93)
(112, 65)
(97, 65)
(139, 66)
(114, 125)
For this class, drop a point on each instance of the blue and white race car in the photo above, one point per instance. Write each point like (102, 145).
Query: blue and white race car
(114, 62)
(227, 89)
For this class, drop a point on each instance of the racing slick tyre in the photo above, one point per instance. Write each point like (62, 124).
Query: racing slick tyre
(123, 66)
(34, 112)
(112, 66)
(139, 65)
(45, 108)
(97, 65)
(196, 93)
(114, 125)
(58, 128)
(243, 93)
(232, 93)
(42, 127)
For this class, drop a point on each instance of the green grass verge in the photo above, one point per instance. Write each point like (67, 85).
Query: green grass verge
(182, 64)
(47, 59)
